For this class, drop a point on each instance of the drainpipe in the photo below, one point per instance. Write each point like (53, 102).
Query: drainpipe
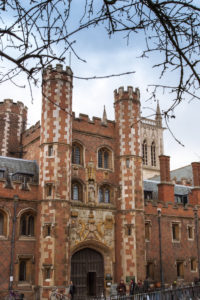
(160, 248)
(197, 237)
(13, 243)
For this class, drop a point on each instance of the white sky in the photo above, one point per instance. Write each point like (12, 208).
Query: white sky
(106, 56)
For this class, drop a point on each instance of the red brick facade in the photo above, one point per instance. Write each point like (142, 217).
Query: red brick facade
(90, 197)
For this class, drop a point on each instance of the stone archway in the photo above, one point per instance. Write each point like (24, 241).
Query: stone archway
(87, 273)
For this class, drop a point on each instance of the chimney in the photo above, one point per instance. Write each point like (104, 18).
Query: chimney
(195, 199)
(165, 187)
(164, 168)
(196, 173)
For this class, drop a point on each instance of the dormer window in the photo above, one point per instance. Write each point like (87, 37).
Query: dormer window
(148, 195)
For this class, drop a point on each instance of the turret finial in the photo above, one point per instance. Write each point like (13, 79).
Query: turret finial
(158, 117)
(104, 118)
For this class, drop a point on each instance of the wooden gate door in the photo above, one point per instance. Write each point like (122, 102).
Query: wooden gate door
(87, 273)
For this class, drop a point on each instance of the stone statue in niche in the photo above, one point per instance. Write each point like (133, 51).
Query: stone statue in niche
(91, 191)
(91, 181)
(91, 170)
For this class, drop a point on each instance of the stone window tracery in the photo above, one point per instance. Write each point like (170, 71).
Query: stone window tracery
(104, 194)
(77, 154)
(77, 191)
(153, 154)
(27, 221)
(144, 153)
(104, 158)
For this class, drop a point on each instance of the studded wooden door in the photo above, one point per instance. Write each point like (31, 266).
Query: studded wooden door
(87, 273)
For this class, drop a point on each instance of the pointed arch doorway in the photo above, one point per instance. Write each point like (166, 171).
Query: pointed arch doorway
(87, 273)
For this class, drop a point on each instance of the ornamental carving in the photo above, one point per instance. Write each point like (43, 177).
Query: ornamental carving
(87, 229)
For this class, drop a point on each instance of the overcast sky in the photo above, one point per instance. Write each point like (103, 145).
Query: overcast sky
(106, 56)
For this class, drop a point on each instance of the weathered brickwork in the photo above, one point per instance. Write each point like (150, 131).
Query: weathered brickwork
(13, 123)
(55, 174)
(127, 115)
(84, 212)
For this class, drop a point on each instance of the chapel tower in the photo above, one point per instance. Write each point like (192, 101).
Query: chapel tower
(55, 178)
(130, 245)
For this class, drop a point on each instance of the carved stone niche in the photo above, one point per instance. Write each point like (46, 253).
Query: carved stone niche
(74, 214)
(48, 230)
(109, 222)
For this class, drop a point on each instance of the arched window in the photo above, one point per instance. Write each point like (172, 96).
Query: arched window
(77, 154)
(77, 191)
(3, 223)
(27, 224)
(144, 153)
(104, 158)
(104, 194)
(153, 154)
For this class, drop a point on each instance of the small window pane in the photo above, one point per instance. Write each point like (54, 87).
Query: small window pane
(144, 153)
(100, 159)
(22, 270)
(31, 225)
(106, 161)
(107, 196)
(75, 192)
(23, 225)
(77, 155)
(100, 195)
(1, 223)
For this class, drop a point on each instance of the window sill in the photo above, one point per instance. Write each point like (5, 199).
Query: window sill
(175, 241)
(24, 284)
(27, 238)
(3, 237)
(105, 170)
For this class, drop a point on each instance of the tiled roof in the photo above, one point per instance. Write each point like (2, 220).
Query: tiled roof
(20, 166)
(152, 185)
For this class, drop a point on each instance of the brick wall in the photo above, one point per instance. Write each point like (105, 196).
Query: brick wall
(13, 123)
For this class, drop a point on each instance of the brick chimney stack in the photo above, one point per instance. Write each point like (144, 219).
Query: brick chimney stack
(196, 174)
(195, 199)
(164, 168)
(165, 187)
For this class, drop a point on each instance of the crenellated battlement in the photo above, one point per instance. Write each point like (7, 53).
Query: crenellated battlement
(169, 208)
(8, 103)
(58, 72)
(95, 122)
(32, 129)
(129, 94)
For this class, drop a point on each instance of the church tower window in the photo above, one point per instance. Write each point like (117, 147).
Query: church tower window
(153, 154)
(144, 153)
